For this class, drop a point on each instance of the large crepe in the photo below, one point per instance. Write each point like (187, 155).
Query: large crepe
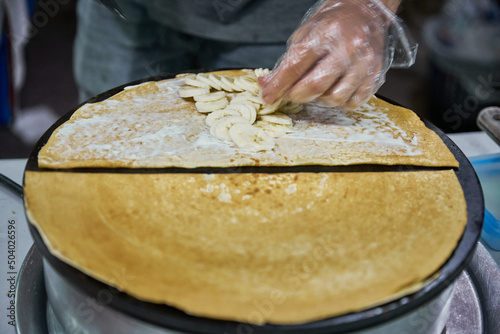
(149, 125)
(266, 247)
(280, 248)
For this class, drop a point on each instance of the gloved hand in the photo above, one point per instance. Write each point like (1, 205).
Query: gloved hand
(339, 54)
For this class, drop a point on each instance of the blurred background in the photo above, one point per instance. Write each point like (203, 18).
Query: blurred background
(456, 74)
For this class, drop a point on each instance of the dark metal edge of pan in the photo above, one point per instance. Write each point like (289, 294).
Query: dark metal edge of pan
(175, 319)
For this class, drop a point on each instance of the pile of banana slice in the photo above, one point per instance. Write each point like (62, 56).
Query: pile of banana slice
(235, 109)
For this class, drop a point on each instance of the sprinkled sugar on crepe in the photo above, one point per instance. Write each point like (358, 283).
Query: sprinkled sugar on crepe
(150, 125)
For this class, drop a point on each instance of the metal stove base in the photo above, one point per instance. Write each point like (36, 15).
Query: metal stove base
(473, 307)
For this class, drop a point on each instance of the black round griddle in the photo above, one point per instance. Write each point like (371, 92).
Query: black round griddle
(172, 318)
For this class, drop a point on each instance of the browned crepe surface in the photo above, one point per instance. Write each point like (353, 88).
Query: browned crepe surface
(280, 248)
(149, 125)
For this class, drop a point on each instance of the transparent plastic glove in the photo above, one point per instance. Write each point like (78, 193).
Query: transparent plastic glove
(340, 54)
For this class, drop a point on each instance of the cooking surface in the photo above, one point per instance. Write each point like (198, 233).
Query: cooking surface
(162, 315)
(456, 263)
(12, 209)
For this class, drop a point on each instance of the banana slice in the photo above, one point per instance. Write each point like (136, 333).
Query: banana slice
(210, 97)
(211, 106)
(248, 96)
(269, 108)
(247, 83)
(291, 108)
(220, 129)
(261, 72)
(246, 109)
(249, 137)
(278, 118)
(216, 79)
(189, 91)
(219, 114)
(188, 76)
(196, 83)
(230, 83)
(205, 78)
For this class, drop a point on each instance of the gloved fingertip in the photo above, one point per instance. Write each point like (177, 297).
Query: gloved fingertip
(263, 81)
(268, 98)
